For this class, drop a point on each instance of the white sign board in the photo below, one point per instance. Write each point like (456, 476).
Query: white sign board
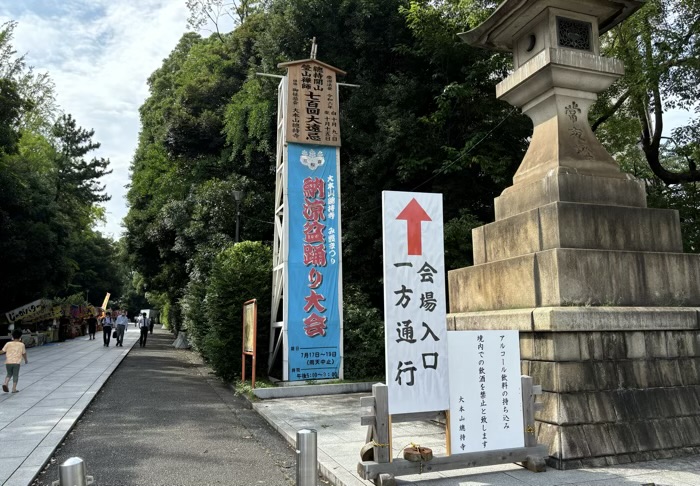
(486, 411)
(414, 302)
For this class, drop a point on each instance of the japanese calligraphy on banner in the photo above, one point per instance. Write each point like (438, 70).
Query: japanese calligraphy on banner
(314, 289)
(414, 302)
(486, 411)
(28, 310)
(312, 103)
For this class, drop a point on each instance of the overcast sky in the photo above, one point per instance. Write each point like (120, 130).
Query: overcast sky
(100, 54)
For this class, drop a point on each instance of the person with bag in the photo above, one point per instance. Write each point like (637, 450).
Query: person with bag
(144, 323)
(107, 328)
(122, 322)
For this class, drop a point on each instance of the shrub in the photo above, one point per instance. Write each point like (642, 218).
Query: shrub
(240, 272)
(363, 337)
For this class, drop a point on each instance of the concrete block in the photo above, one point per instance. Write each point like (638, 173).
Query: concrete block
(573, 409)
(694, 343)
(598, 440)
(566, 346)
(635, 345)
(696, 390)
(618, 228)
(621, 278)
(594, 462)
(525, 367)
(690, 375)
(632, 374)
(669, 371)
(687, 401)
(516, 236)
(549, 434)
(621, 459)
(645, 436)
(601, 407)
(651, 370)
(605, 375)
(595, 345)
(561, 185)
(573, 443)
(689, 432)
(575, 377)
(478, 245)
(608, 318)
(661, 454)
(676, 344)
(543, 346)
(656, 344)
(544, 373)
(493, 286)
(550, 408)
(668, 434)
(517, 319)
(614, 345)
(527, 345)
(625, 405)
(642, 456)
(653, 403)
(575, 225)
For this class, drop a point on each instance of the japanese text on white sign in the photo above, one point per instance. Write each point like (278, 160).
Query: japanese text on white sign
(414, 302)
(485, 391)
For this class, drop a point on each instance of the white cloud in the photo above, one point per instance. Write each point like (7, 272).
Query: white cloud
(100, 54)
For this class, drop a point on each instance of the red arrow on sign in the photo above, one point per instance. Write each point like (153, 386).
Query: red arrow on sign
(414, 215)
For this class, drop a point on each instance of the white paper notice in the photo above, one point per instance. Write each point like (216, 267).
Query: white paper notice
(414, 302)
(486, 411)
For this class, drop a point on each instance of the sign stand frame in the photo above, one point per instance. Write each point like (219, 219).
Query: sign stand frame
(382, 470)
(254, 331)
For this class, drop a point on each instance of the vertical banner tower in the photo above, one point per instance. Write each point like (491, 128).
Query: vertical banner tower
(307, 265)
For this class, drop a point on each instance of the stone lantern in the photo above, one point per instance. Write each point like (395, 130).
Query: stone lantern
(606, 302)
(558, 73)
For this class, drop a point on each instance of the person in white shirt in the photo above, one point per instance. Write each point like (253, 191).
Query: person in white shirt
(107, 323)
(122, 323)
(144, 323)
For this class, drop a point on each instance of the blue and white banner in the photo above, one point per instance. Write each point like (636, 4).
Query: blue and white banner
(314, 288)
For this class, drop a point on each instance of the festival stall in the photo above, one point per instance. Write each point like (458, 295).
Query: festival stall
(44, 321)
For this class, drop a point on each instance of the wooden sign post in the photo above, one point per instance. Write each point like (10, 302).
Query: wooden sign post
(250, 331)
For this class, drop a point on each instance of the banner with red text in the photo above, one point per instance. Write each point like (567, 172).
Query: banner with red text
(314, 288)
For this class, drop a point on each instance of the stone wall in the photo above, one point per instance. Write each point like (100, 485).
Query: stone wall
(615, 397)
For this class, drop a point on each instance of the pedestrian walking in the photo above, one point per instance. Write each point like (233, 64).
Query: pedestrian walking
(107, 323)
(144, 323)
(122, 323)
(15, 351)
(92, 327)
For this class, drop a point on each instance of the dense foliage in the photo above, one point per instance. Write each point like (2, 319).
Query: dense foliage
(424, 118)
(49, 194)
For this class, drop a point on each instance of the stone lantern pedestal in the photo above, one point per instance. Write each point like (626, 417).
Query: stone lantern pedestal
(606, 302)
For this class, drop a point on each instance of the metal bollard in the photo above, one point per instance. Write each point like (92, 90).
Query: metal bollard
(307, 458)
(73, 473)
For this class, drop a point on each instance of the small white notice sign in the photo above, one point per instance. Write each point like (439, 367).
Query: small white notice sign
(414, 302)
(486, 411)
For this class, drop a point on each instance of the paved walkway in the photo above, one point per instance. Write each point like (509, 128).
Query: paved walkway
(54, 388)
(163, 419)
(340, 438)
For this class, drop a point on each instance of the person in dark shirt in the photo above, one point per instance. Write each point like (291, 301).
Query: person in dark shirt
(92, 327)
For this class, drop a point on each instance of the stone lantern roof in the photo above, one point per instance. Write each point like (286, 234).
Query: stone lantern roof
(501, 29)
